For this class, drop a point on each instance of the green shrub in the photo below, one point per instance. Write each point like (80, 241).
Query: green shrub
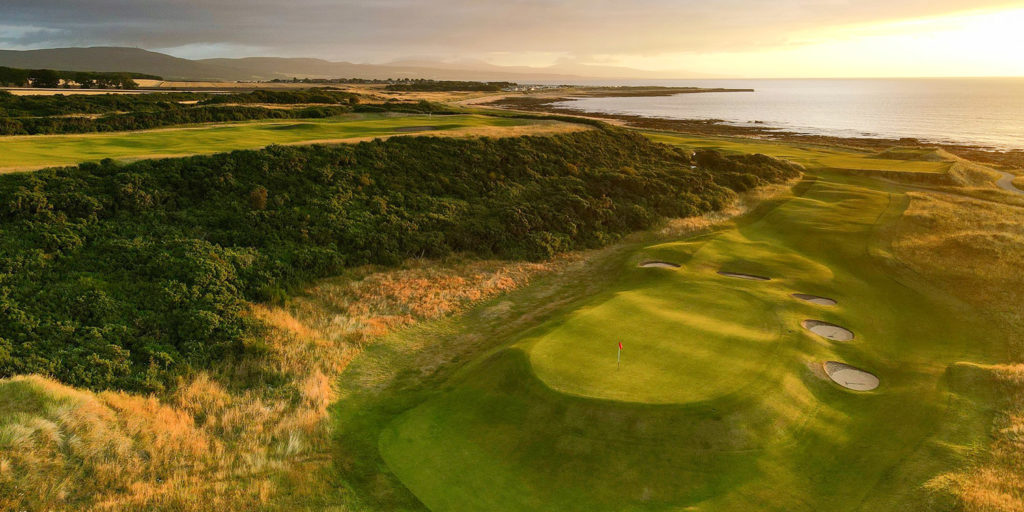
(125, 276)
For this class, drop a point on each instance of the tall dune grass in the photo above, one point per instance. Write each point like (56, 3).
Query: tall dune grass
(976, 247)
(971, 246)
(995, 482)
(250, 435)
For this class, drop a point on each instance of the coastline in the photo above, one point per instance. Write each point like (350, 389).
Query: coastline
(1006, 159)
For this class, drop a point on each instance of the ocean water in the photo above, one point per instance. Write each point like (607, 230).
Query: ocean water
(980, 111)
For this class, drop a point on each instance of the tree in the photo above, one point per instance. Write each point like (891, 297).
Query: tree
(45, 78)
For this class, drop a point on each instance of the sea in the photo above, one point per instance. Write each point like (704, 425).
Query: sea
(987, 112)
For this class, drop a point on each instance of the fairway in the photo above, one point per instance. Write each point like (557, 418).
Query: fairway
(36, 151)
(722, 400)
(808, 154)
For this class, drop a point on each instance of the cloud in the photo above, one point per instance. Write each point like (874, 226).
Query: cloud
(381, 30)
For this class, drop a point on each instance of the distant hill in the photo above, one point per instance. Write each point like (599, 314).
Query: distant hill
(137, 60)
(117, 59)
(279, 67)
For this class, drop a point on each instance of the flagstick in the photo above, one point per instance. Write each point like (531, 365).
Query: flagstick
(618, 357)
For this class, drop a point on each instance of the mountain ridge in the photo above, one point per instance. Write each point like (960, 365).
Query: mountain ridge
(115, 58)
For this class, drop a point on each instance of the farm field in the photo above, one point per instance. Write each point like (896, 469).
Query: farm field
(37, 151)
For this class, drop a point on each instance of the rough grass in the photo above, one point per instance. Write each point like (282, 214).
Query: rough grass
(206, 447)
(915, 153)
(251, 435)
(969, 174)
(995, 482)
(976, 248)
(971, 247)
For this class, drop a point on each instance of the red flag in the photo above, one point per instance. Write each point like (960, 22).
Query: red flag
(620, 345)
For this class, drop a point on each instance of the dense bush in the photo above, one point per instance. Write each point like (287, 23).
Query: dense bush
(15, 77)
(124, 276)
(170, 117)
(67, 104)
(320, 96)
(740, 172)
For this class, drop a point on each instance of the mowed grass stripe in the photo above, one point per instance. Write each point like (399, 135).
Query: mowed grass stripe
(36, 151)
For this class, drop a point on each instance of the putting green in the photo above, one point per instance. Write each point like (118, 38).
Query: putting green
(720, 402)
(678, 325)
(35, 151)
(674, 328)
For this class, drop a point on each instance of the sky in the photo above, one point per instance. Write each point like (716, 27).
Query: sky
(676, 38)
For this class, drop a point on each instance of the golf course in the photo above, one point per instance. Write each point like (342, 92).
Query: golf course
(36, 151)
(529, 256)
(794, 358)
(486, 312)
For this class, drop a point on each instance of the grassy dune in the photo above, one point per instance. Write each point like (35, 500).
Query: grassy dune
(36, 151)
(212, 444)
(984, 237)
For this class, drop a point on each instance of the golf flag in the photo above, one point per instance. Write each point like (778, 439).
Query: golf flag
(618, 356)
(620, 345)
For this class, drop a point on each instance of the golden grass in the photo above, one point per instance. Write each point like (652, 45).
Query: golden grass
(215, 445)
(743, 204)
(973, 246)
(374, 303)
(976, 247)
(995, 482)
(970, 174)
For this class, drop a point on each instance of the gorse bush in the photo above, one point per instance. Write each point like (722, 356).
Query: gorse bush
(124, 276)
(147, 120)
(315, 95)
(66, 104)
(60, 104)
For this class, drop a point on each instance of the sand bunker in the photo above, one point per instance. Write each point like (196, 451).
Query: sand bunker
(827, 330)
(751, 277)
(658, 264)
(850, 377)
(814, 299)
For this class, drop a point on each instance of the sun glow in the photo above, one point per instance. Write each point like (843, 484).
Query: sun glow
(987, 43)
